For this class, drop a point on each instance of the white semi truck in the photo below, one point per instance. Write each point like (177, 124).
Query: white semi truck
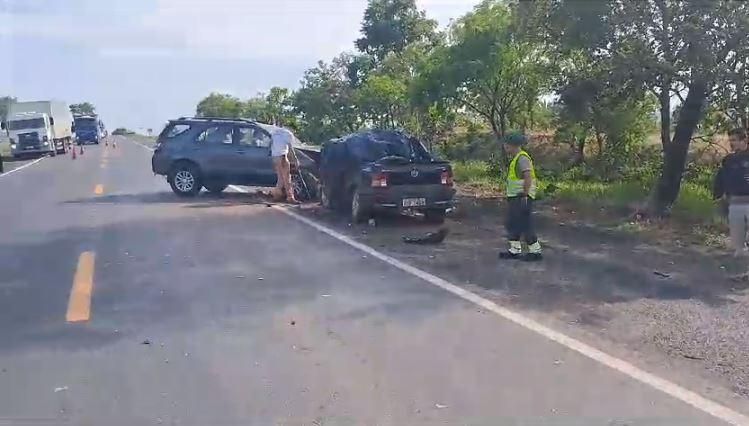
(41, 127)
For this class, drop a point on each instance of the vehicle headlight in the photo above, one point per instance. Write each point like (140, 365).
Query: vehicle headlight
(12, 146)
(46, 143)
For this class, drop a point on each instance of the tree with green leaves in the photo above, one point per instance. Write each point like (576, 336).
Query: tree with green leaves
(391, 25)
(83, 108)
(220, 105)
(325, 102)
(675, 49)
(487, 69)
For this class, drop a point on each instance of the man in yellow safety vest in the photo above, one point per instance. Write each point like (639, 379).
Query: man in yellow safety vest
(520, 192)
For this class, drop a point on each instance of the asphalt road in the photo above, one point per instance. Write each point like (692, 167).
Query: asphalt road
(121, 304)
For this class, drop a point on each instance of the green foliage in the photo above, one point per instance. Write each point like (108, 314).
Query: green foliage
(220, 105)
(602, 77)
(273, 108)
(83, 108)
(487, 69)
(391, 25)
(325, 102)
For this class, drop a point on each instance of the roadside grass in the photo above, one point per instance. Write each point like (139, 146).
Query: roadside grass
(618, 200)
(477, 176)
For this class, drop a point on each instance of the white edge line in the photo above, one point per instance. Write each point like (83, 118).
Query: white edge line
(22, 167)
(685, 395)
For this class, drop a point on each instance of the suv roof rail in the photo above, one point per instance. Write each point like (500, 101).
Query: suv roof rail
(214, 119)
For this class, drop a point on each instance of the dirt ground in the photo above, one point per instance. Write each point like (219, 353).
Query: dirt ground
(669, 304)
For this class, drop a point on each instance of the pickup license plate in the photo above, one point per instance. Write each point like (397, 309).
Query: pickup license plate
(414, 202)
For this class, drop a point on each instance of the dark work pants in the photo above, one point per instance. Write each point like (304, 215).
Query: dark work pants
(519, 221)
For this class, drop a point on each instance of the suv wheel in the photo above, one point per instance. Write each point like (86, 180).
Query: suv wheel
(359, 212)
(185, 180)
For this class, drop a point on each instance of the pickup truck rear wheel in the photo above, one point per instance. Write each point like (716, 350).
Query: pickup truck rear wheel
(185, 180)
(359, 212)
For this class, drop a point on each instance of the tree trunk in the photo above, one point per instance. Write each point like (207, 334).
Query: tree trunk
(599, 143)
(579, 146)
(665, 102)
(675, 153)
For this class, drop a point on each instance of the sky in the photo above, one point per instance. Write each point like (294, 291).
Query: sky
(142, 62)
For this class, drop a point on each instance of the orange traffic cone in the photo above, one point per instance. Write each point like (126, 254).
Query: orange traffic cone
(81, 149)
(73, 151)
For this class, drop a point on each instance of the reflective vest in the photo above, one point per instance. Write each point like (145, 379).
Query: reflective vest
(515, 182)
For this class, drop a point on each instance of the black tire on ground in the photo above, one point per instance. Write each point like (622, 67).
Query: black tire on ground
(435, 216)
(215, 187)
(185, 180)
(359, 212)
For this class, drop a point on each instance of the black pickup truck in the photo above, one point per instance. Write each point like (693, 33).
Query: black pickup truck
(374, 171)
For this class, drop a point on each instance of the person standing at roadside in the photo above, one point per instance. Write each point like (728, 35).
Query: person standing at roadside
(520, 193)
(281, 149)
(732, 184)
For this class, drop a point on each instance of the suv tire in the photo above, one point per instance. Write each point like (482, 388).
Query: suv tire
(185, 180)
(359, 212)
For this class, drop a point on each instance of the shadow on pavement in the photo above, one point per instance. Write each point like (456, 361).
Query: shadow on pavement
(583, 266)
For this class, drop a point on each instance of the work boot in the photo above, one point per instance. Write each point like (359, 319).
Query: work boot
(534, 253)
(514, 251)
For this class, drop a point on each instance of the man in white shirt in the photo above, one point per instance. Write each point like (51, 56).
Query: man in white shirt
(281, 147)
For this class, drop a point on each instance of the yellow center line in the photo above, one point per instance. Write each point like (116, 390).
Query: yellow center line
(79, 304)
(99, 189)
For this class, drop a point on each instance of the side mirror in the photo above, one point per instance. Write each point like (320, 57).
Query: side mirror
(2, 125)
(51, 121)
(72, 128)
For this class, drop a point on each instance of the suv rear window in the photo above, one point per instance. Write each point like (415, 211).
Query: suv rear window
(174, 130)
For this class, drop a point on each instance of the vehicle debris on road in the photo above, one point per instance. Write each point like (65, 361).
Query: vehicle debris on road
(61, 389)
(428, 238)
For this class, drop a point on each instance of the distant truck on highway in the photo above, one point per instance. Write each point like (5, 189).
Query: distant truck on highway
(88, 129)
(39, 128)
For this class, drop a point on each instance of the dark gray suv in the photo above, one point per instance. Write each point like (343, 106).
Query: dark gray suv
(214, 153)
